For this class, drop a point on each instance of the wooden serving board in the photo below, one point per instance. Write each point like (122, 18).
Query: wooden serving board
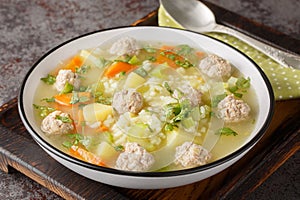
(19, 151)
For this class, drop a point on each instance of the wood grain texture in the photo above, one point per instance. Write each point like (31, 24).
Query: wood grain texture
(19, 151)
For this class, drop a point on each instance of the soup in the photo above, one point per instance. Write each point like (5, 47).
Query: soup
(144, 106)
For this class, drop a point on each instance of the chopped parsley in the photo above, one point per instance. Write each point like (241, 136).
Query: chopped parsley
(226, 131)
(64, 119)
(48, 100)
(76, 139)
(122, 73)
(240, 87)
(216, 99)
(141, 71)
(83, 69)
(150, 49)
(183, 49)
(243, 83)
(50, 79)
(78, 99)
(103, 62)
(167, 87)
(184, 64)
(151, 58)
(43, 110)
(169, 127)
(119, 148)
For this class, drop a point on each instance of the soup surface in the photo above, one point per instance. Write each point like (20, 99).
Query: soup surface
(145, 106)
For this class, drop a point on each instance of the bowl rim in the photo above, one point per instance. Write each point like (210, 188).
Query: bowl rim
(189, 171)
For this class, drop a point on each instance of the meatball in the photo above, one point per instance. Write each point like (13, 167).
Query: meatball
(134, 158)
(189, 93)
(66, 76)
(215, 66)
(233, 110)
(127, 100)
(191, 155)
(53, 123)
(125, 46)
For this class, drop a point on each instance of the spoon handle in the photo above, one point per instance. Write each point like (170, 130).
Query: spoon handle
(284, 58)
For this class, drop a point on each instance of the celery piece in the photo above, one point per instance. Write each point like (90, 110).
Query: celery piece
(216, 99)
(195, 113)
(141, 71)
(243, 83)
(134, 60)
(139, 130)
(232, 81)
(67, 88)
(188, 122)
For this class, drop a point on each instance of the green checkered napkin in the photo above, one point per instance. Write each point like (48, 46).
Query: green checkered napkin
(285, 81)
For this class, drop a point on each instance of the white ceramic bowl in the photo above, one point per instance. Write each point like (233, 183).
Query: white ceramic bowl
(146, 180)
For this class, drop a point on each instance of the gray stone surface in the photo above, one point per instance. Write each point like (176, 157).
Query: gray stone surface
(28, 29)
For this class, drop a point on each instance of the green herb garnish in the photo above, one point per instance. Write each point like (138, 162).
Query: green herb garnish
(150, 49)
(184, 64)
(167, 87)
(48, 100)
(169, 127)
(240, 87)
(83, 69)
(183, 50)
(122, 73)
(43, 110)
(216, 99)
(67, 88)
(75, 140)
(226, 131)
(119, 148)
(151, 58)
(50, 79)
(103, 62)
(64, 119)
(67, 144)
(141, 71)
(243, 83)
(78, 99)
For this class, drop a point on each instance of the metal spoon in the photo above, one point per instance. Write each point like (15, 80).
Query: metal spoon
(196, 16)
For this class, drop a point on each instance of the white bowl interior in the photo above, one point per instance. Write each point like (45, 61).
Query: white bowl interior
(166, 35)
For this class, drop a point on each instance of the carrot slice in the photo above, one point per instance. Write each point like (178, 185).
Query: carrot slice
(167, 58)
(103, 128)
(169, 48)
(65, 99)
(200, 54)
(74, 63)
(80, 117)
(85, 155)
(117, 68)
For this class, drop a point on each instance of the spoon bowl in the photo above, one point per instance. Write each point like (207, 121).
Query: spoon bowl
(203, 23)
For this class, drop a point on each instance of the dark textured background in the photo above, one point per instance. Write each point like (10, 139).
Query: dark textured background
(29, 28)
